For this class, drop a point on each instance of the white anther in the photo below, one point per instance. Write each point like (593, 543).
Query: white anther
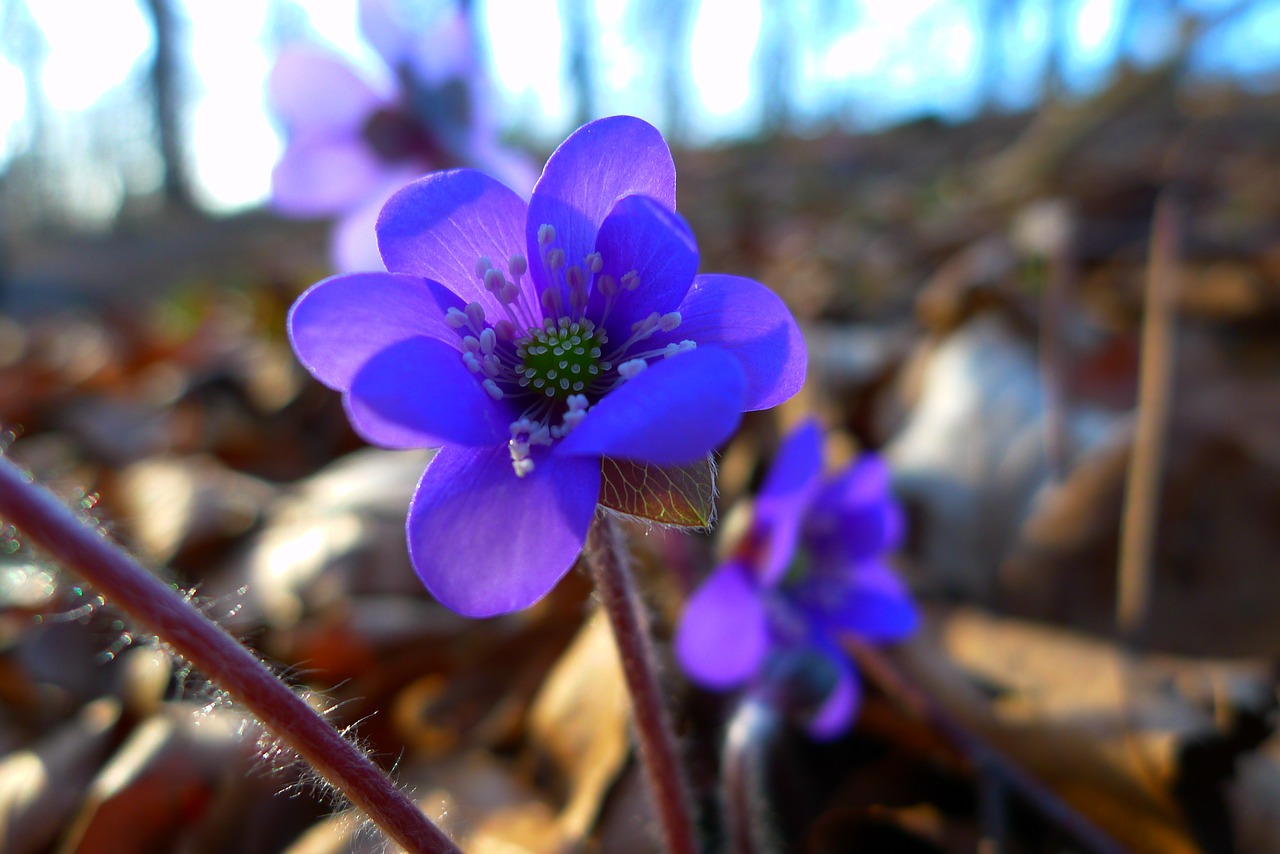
(472, 363)
(492, 365)
(475, 314)
(505, 330)
(669, 321)
(673, 349)
(546, 234)
(607, 285)
(522, 467)
(630, 368)
(488, 339)
(483, 266)
(594, 262)
(471, 344)
(492, 387)
(555, 259)
(516, 265)
(631, 280)
(493, 281)
(455, 318)
(509, 293)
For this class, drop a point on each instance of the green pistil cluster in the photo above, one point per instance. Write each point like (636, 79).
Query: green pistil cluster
(561, 359)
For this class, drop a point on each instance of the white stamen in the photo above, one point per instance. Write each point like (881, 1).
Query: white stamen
(505, 330)
(631, 280)
(683, 347)
(483, 266)
(472, 363)
(631, 368)
(488, 339)
(594, 262)
(555, 259)
(493, 281)
(492, 387)
(669, 321)
(455, 318)
(546, 234)
(475, 314)
(471, 344)
(516, 264)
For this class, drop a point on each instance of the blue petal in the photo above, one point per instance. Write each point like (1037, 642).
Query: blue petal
(871, 602)
(641, 235)
(723, 634)
(785, 497)
(675, 412)
(340, 323)
(747, 319)
(855, 516)
(486, 542)
(840, 707)
(439, 226)
(314, 91)
(321, 176)
(417, 393)
(591, 170)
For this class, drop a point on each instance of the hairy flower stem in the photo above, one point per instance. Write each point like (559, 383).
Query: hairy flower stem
(744, 774)
(68, 538)
(608, 560)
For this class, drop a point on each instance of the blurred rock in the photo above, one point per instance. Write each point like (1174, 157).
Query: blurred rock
(970, 460)
(172, 504)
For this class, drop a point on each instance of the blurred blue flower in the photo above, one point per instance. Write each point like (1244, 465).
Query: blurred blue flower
(529, 341)
(811, 568)
(353, 140)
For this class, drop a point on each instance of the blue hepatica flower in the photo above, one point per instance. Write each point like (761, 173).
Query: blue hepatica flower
(811, 568)
(529, 342)
(354, 139)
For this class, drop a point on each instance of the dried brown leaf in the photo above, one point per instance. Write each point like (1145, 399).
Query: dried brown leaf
(683, 496)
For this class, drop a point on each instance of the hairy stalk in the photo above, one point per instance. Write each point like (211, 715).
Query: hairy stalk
(744, 773)
(66, 537)
(608, 560)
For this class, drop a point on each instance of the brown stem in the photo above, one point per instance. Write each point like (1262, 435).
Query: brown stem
(66, 537)
(607, 558)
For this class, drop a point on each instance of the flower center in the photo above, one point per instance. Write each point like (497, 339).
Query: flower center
(562, 358)
(544, 354)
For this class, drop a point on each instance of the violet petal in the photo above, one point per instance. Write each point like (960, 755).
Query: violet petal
(439, 226)
(748, 320)
(723, 634)
(486, 542)
(837, 711)
(341, 322)
(642, 236)
(674, 412)
(417, 393)
(321, 176)
(314, 91)
(598, 164)
(784, 499)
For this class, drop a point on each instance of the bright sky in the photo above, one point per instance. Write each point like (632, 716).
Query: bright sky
(900, 58)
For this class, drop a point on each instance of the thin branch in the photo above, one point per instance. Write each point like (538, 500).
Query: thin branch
(71, 540)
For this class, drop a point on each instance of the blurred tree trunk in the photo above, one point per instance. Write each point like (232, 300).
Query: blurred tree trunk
(167, 102)
(775, 64)
(669, 27)
(579, 37)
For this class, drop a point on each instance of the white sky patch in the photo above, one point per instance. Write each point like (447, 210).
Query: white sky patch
(93, 45)
(13, 105)
(721, 63)
(525, 56)
(233, 144)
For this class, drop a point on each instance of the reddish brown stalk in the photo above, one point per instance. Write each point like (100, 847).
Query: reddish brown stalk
(607, 558)
(82, 547)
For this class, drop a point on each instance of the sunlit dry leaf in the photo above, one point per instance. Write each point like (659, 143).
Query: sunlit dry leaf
(579, 721)
(683, 496)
